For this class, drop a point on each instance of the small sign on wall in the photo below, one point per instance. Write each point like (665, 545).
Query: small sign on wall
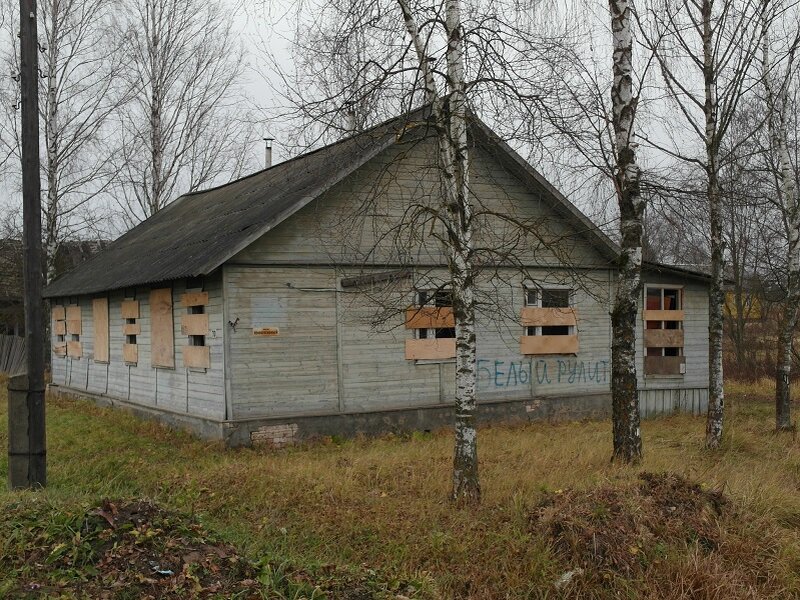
(266, 331)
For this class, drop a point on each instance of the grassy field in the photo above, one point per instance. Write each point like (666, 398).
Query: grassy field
(378, 509)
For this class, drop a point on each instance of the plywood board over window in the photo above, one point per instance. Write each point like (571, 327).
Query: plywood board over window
(60, 330)
(162, 328)
(130, 309)
(197, 357)
(100, 321)
(74, 320)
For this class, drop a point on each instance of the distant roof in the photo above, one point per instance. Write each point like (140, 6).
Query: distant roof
(198, 232)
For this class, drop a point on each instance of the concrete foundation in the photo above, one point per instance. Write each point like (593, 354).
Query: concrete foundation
(287, 430)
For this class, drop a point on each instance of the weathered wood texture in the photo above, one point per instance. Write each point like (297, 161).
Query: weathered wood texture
(163, 328)
(130, 353)
(194, 299)
(664, 315)
(663, 365)
(431, 349)
(130, 309)
(100, 325)
(194, 324)
(533, 316)
(694, 317)
(663, 338)
(549, 344)
(429, 317)
(358, 216)
(197, 357)
(131, 329)
(74, 324)
(178, 389)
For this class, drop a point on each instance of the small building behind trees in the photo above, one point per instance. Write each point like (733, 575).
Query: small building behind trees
(312, 298)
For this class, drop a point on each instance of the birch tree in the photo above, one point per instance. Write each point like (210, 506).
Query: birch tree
(705, 50)
(625, 398)
(80, 89)
(183, 128)
(453, 155)
(777, 78)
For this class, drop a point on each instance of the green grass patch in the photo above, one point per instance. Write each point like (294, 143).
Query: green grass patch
(372, 516)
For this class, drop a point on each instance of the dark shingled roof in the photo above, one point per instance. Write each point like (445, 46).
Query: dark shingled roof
(198, 232)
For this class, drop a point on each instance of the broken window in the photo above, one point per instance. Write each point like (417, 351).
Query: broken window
(441, 298)
(433, 324)
(60, 330)
(663, 330)
(194, 325)
(130, 330)
(549, 321)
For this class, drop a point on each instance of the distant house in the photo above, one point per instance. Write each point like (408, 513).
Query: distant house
(300, 301)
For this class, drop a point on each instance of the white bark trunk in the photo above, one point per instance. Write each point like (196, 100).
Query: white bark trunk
(456, 215)
(625, 397)
(52, 209)
(776, 95)
(716, 394)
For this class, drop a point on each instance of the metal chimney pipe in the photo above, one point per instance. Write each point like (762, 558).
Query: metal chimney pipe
(268, 152)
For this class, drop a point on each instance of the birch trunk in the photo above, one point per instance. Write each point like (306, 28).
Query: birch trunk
(625, 396)
(456, 215)
(156, 109)
(777, 103)
(455, 167)
(716, 394)
(52, 208)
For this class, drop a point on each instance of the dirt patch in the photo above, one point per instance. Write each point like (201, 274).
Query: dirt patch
(623, 530)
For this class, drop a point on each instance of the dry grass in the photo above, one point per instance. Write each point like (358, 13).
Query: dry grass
(382, 503)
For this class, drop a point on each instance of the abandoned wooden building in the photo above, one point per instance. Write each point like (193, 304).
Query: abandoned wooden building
(311, 298)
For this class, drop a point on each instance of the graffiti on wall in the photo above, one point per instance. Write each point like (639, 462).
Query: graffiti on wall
(497, 374)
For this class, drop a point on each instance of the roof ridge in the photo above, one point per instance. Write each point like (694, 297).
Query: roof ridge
(343, 140)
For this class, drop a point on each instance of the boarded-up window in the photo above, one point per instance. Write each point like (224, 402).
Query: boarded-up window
(74, 327)
(550, 322)
(663, 331)
(130, 329)
(100, 320)
(194, 325)
(161, 325)
(433, 324)
(60, 330)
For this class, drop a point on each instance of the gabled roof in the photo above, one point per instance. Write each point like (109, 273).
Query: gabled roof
(198, 232)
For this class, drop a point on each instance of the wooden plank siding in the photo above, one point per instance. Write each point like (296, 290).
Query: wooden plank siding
(329, 352)
(359, 213)
(178, 389)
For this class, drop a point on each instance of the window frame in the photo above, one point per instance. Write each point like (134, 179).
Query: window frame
(664, 351)
(539, 292)
(432, 298)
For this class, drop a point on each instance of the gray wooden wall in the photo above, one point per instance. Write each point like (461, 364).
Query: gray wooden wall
(342, 350)
(198, 392)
